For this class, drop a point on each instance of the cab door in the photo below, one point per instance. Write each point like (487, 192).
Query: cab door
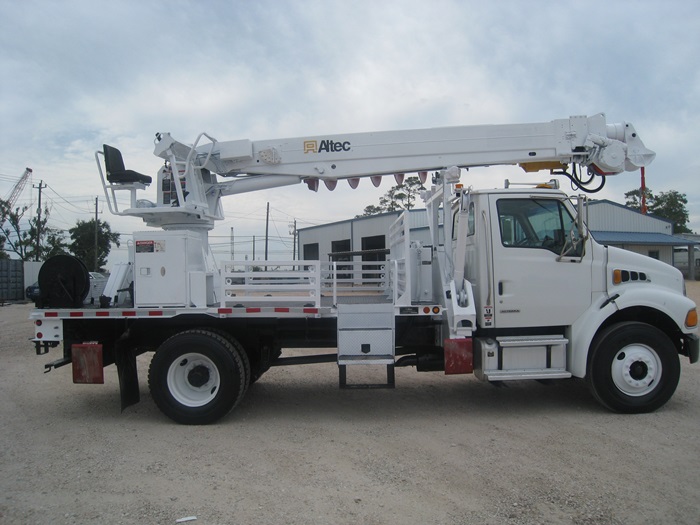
(540, 277)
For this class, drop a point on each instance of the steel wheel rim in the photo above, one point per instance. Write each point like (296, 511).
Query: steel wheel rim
(193, 380)
(636, 370)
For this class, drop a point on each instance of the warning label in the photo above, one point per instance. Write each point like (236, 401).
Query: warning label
(150, 246)
(488, 315)
(145, 246)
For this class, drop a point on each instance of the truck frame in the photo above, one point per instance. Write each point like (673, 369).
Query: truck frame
(510, 287)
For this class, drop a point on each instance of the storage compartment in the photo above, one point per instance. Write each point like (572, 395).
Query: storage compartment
(365, 334)
(169, 269)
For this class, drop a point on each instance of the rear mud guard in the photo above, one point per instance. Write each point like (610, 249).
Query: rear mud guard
(125, 359)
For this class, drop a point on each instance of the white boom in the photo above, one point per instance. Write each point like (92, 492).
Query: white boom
(605, 149)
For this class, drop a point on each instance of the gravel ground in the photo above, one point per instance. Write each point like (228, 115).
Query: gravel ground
(297, 450)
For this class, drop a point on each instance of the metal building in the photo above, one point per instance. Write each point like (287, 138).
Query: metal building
(343, 240)
(610, 223)
(617, 225)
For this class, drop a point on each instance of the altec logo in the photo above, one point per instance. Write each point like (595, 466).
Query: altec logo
(314, 146)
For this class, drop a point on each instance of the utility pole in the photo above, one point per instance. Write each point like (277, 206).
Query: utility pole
(96, 268)
(40, 187)
(293, 233)
(267, 228)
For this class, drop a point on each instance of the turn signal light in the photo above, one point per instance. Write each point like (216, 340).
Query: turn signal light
(617, 276)
(691, 320)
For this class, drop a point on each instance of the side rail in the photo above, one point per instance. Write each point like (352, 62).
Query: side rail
(399, 243)
(355, 278)
(271, 282)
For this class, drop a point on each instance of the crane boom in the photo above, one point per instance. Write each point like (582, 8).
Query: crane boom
(245, 165)
(589, 140)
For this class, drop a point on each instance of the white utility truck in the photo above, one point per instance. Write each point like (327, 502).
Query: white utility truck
(510, 287)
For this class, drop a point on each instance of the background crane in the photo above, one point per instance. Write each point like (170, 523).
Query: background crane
(11, 199)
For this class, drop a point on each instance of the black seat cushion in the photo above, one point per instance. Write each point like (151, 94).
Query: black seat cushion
(117, 173)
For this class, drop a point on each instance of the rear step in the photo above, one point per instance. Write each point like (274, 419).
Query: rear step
(366, 337)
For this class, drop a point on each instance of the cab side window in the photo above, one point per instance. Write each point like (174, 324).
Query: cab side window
(535, 223)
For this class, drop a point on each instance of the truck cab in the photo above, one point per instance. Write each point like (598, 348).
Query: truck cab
(551, 302)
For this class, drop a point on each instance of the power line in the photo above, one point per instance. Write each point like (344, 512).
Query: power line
(68, 203)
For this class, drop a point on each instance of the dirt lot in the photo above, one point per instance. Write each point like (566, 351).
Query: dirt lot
(299, 451)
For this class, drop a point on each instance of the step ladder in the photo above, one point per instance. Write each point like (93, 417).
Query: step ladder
(366, 337)
(523, 357)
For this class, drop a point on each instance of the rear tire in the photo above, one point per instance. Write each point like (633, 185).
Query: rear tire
(241, 352)
(197, 377)
(633, 368)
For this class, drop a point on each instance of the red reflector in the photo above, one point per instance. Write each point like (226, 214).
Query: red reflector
(38, 322)
(252, 310)
(76, 314)
(426, 309)
(129, 313)
(310, 310)
(281, 310)
(51, 314)
(39, 335)
(102, 314)
(225, 310)
(155, 313)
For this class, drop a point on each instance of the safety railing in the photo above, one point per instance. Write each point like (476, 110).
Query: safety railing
(399, 245)
(287, 283)
(271, 282)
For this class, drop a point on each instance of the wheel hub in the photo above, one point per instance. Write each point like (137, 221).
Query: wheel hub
(198, 376)
(193, 380)
(636, 370)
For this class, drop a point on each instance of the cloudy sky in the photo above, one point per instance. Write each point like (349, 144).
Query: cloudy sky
(76, 74)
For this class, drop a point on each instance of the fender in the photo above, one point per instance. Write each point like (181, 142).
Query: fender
(586, 327)
(583, 331)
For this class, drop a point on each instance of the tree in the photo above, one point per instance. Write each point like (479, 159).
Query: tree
(83, 245)
(398, 197)
(633, 198)
(669, 205)
(4, 206)
(371, 210)
(23, 241)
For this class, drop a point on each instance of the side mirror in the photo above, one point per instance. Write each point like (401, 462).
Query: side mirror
(576, 240)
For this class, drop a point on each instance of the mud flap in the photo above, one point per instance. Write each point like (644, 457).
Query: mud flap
(125, 359)
(87, 363)
(459, 356)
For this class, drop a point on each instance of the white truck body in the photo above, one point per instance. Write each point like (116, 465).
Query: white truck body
(511, 286)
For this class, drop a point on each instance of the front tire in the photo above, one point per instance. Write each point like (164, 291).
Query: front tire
(633, 368)
(196, 377)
